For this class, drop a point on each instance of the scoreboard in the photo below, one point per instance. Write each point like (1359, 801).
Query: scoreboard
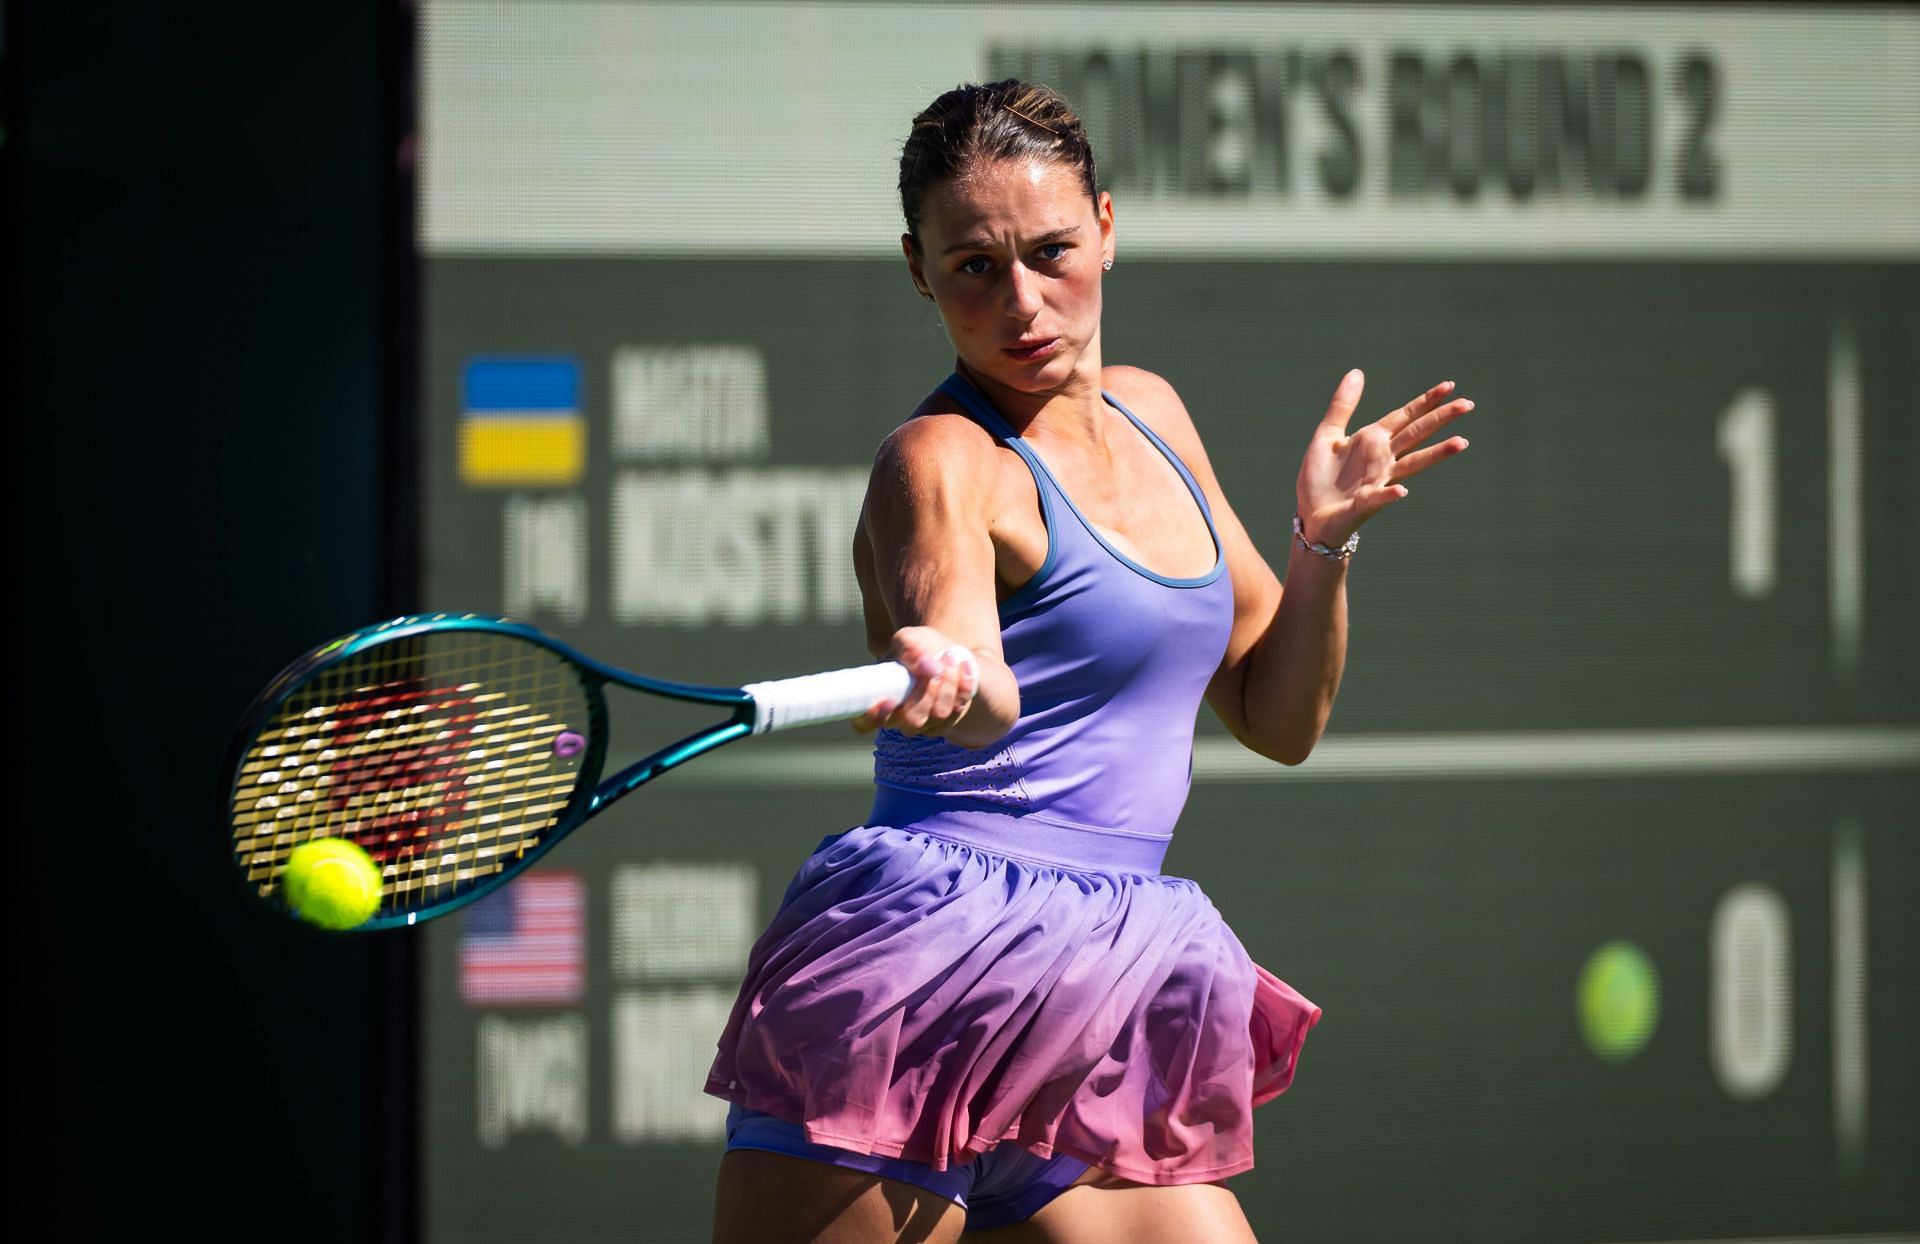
(1606, 872)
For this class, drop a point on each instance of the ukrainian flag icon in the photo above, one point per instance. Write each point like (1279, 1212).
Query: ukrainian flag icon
(521, 423)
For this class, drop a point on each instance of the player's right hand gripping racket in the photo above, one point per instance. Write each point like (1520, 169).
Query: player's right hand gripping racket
(458, 749)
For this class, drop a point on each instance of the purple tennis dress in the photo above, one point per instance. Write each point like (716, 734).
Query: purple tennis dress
(995, 956)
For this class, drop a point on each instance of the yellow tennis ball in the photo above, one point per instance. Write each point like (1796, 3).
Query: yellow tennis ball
(331, 882)
(1618, 1000)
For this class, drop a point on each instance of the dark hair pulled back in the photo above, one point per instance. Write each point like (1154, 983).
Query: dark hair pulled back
(1005, 120)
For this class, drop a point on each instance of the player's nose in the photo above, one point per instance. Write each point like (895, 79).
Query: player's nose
(1023, 292)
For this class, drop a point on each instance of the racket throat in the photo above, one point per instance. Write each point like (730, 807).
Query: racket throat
(672, 756)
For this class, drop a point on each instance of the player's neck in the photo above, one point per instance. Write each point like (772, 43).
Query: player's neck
(1073, 411)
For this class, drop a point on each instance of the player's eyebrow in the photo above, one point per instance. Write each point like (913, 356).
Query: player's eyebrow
(982, 244)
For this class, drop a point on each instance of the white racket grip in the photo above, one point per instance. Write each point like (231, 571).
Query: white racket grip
(833, 696)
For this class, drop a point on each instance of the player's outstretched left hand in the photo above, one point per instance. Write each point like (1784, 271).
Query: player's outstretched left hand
(1345, 479)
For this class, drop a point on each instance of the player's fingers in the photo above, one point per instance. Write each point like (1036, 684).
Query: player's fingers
(1417, 407)
(952, 700)
(909, 718)
(942, 695)
(1346, 397)
(965, 666)
(1420, 460)
(939, 708)
(963, 672)
(952, 665)
(869, 721)
(1376, 498)
(1426, 425)
(944, 682)
(969, 681)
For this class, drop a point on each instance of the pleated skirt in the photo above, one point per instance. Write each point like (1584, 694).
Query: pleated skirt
(921, 996)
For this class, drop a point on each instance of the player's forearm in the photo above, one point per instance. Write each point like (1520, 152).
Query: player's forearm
(1294, 669)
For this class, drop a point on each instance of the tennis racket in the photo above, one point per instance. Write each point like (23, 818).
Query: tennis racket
(458, 749)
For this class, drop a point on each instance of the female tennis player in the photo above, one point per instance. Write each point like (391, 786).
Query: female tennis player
(986, 1007)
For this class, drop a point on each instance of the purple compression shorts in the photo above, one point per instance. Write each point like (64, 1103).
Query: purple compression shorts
(1004, 1185)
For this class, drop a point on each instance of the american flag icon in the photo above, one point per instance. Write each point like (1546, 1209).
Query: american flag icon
(526, 943)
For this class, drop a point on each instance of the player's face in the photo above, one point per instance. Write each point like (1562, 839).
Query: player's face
(1012, 252)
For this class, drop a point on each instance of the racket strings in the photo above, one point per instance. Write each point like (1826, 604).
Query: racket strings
(442, 755)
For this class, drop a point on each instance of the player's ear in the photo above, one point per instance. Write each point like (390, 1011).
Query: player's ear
(914, 268)
(1103, 212)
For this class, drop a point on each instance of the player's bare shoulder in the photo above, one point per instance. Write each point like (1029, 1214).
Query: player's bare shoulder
(939, 465)
(940, 436)
(1149, 396)
(1154, 401)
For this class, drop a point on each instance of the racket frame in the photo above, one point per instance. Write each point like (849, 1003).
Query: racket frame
(591, 794)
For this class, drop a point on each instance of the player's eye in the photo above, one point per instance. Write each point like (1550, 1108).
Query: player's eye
(979, 265)
(1054, 252)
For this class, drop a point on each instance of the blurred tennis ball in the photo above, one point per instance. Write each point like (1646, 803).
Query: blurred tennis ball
(332, 883)
(1618, 1000)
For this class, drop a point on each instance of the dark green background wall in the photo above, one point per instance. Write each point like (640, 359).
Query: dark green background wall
(197, 251)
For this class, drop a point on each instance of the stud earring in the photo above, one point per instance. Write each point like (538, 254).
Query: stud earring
(1107, 266)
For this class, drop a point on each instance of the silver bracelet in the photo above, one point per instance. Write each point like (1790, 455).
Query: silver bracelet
(1327, 551)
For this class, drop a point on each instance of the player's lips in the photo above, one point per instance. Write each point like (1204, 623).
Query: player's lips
(1032, 348)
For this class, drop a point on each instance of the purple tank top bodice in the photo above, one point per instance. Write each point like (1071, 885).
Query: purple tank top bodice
(1112, 661)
